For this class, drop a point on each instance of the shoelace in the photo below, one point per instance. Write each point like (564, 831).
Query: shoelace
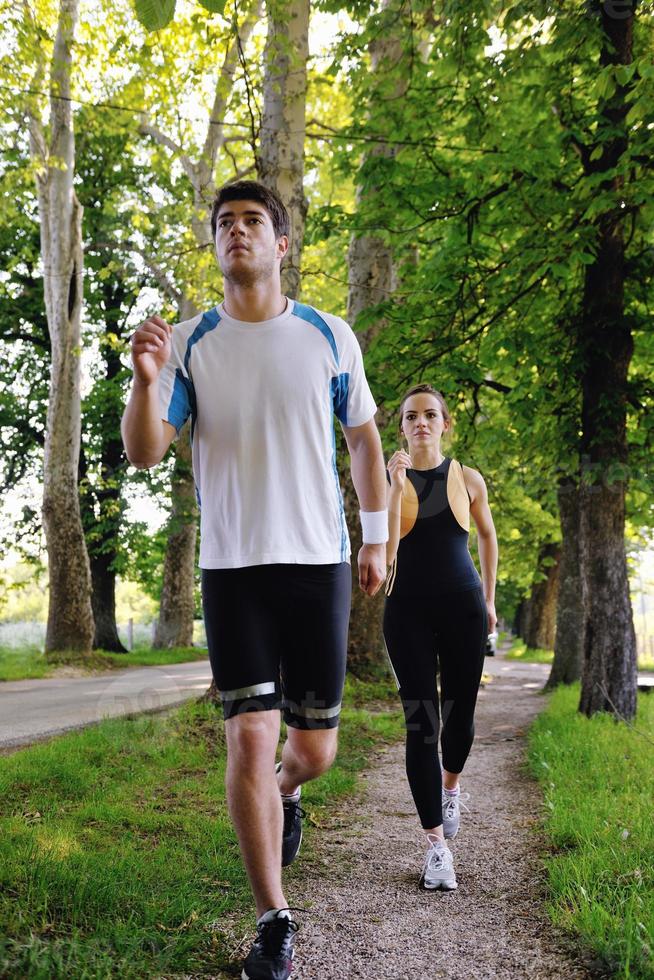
(291, 809)
(272, 935)
(437, 856)
(450, 803)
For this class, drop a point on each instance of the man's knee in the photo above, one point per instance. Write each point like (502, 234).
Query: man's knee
(252, 737)
(314, 750)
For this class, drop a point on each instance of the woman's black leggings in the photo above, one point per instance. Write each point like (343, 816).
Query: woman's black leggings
(452, 628)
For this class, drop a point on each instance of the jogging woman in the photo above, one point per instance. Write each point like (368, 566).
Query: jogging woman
(437, 611)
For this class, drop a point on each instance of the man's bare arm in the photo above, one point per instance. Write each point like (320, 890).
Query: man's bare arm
(145, 434)
(369, 479)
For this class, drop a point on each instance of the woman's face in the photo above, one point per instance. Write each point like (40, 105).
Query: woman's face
(423, 423)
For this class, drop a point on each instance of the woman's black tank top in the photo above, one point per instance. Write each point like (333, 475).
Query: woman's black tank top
(432, 556)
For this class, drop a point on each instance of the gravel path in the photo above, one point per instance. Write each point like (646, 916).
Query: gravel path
(368, 919)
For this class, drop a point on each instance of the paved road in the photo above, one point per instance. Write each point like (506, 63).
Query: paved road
(31, 710)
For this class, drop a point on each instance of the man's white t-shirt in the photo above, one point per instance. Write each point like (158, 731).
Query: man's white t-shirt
(262, 397)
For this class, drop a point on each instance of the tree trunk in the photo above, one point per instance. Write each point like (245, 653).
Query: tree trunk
(103, 597)
(280, 160)
(102, 543)
(609, 679)
(537, 621)
(70, 616)
(177, 605)
(566, 667)
(371, 277)
(100, 537)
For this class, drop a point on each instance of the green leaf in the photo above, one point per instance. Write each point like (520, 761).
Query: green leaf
(605, 85)
(624, 73)
(214, 6)
(154, 14)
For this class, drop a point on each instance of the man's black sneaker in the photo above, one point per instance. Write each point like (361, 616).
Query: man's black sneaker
(292, 834)
(271, 956)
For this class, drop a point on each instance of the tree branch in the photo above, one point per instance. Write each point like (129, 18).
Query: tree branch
(146, 129)
(214, 137)
(164, 282)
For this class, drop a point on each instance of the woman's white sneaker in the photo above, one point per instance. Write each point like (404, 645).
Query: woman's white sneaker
(438, 869)
(452, 804)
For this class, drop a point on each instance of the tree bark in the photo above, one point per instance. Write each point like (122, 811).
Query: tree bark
(609, 677)
(175, 624)
(537, 614)
(566, 666)
(102, 555)
(103, 598)
(280, 160)
(105, 497)
(70, 616)
(372, 279)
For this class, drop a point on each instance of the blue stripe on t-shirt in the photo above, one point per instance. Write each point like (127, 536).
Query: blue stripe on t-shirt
(209, 321)
(340, 386)
(181, 401)
(312, 316)
(339, 496)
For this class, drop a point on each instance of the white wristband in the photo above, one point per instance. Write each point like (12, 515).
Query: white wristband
(374, 524)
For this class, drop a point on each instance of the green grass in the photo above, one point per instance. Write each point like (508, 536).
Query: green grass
(117, 857)
(22, 663)
(598, 780)
(520, 651)
(27, 663)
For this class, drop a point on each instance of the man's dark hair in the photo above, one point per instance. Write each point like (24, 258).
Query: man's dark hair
(252, 190)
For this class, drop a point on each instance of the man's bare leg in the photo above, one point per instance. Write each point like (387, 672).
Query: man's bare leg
(306, 754)
(254, 802)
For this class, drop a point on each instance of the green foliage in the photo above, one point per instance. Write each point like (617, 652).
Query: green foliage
(479, 182)
(598, 783)
(474, 146)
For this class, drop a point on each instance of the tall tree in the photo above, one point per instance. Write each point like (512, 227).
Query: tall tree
(70, 616)
(570, 620)
(110, 181)
(280, 155)
(609, 680)
(370, 262)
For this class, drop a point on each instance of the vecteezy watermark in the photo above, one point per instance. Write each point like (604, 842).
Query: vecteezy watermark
(422, 715)
(136, 692)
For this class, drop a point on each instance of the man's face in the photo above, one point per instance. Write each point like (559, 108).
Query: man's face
(247, 248)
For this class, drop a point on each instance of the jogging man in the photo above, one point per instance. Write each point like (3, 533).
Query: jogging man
(261, 377)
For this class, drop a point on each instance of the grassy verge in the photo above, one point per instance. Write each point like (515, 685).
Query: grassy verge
(27, 663)
(520, 651)
(117, 857)
(598, 780)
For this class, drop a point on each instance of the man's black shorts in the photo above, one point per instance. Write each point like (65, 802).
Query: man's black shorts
(277, 638)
